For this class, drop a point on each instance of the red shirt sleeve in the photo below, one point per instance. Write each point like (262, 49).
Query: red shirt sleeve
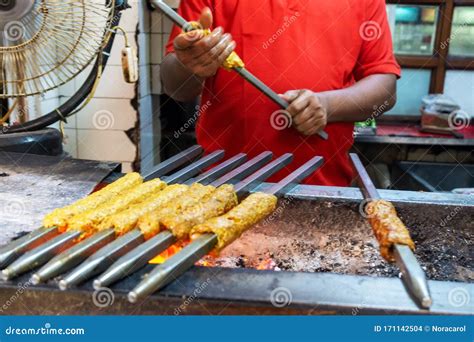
(376, 55)
(189, 10)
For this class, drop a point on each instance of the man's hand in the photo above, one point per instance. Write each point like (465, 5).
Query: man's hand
(201, 54)
(309, 111)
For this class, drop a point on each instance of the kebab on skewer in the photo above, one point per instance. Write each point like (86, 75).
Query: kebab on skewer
(388, 228)
(60, 217)
(395, 242)
(37, 237)
(209, 194)
(115, 226)
(216, 204)
(87, 223)
(234, 223)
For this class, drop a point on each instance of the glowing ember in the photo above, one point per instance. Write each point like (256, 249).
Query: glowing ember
(159, 259)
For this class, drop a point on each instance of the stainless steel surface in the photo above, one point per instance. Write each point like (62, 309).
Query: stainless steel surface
(413, 276)
(101, 260)
(195, 168)
(188, 256)
(245, 169)
(73, 256)
(174, 162)
(174, 267)
(12, 251)
(407, 140)
(222, 169)
(40, 255)
(366, 185)
(135, 259)
(296, 177)
(259, 176)
(244, 73)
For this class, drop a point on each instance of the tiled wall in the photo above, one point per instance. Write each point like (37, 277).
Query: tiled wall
(98, 131)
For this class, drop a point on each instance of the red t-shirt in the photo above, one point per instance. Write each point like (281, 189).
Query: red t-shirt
(290, 44)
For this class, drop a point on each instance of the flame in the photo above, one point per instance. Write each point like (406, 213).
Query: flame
(161, 258)
(210, 260)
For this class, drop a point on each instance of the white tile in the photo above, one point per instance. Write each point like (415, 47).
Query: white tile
(119, 44)
(129, 20)
(127, 167)
(70, 142)
(105, 145)
(173, 3)
(167, 25)
(107, 114)
(156, 24)
(113, 84)
(156, 48)
(155, 80)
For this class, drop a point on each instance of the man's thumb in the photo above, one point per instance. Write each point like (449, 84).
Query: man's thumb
(206, 18)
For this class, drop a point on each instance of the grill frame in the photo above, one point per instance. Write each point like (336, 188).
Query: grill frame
(248, 291)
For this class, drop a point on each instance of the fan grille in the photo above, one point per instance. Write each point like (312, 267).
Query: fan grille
(46, 43)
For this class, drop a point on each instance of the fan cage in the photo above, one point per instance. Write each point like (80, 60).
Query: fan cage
(51, 44)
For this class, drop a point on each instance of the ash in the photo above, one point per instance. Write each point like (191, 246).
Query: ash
(316, 236)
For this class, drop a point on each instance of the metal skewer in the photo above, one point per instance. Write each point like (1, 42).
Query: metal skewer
(243, 72)
(104, 258)
(413, 275)
(178, 264)
(79, 252)
(140, 256)
(18, 247)
(43, 253)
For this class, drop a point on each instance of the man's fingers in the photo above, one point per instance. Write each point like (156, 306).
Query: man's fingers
(206, 18)
(290, 95)
(299, 104)
(302, 116)
(229, 48)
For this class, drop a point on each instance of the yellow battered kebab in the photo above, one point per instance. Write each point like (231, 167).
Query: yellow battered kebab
(150, 223)
(88, 222)
(388, 228)
(214, 204)
(126, 220)
(59, 217)
(233, 224)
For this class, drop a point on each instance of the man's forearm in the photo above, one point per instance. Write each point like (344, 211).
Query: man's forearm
(179, 82)
(373, 94)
